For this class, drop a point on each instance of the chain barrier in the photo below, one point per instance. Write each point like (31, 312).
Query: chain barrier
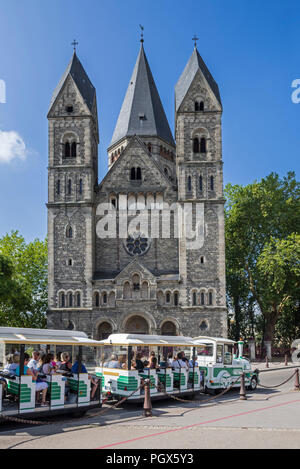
(202, 401)
(43, 422)
(278, 385)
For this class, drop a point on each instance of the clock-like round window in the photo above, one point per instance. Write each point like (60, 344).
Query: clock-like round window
(137, 244)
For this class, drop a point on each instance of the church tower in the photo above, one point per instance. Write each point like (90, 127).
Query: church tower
(199, 166)
(72, 177)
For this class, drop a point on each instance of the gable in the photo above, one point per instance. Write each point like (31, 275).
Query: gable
(199, 90)
(135, 155)
(68, 95)
(134, 267)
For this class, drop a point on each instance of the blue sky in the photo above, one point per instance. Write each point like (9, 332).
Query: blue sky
(250, 46)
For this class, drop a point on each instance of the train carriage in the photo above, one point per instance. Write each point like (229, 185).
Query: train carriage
(66, 391)
(122, 379)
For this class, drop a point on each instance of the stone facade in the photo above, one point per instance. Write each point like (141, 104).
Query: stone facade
(98, 285)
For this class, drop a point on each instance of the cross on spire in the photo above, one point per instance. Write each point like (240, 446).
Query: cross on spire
(74, 44)
(195, 38)
(142, 33)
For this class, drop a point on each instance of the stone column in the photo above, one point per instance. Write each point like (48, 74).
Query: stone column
(251, 343)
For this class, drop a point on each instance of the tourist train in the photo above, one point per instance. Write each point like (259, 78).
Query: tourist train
(114, 368)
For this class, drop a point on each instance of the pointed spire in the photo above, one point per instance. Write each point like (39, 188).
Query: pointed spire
(82, 81)
(194, 64)
(142, 112)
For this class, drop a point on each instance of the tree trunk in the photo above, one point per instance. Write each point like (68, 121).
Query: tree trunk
(270, 322)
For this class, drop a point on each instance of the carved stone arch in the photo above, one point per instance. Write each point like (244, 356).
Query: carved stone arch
(97, 328)
(146, 316)
(160, 298)
(204, 325)
(165, 322)
(61, 298)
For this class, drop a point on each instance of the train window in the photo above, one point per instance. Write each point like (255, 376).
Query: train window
(227, 354)
(219, 354)
(205, 350)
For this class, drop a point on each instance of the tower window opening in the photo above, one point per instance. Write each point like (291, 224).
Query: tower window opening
(138, 174)
(73, 149)
(58, 187)
(212, 183)
(203, 145)
(201, 260)
(80, 186)
(97, 300)
(69, 232)
(70, 262)
(176, 299)
(200, 183)
(149, 147)
(78, 300)
(104, 298)
(202, 299)
(69, 108)
(70, 300)
(189, 183)
(196, 145)
(69, 186)
(210, 298)
(196, 106)
(194, 298)
(201, 106)
(62, 300)
(168, 298)
(67, 150)
(132, 174)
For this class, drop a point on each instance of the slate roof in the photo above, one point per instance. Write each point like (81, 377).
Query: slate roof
(83, 83)
(194, 64)
(142, 112)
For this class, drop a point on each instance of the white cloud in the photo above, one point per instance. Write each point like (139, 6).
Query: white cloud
(11, 146)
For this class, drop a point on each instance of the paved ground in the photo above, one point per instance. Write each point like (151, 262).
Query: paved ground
(268, 419)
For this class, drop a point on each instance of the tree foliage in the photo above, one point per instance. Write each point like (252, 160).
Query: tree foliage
(262, 246)
(23, 281)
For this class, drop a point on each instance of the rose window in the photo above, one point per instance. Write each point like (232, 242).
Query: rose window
(137, 244)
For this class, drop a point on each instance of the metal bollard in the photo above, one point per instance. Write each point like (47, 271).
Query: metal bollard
(267, 362)
(297, 384)
(243, 396)
(147, 400)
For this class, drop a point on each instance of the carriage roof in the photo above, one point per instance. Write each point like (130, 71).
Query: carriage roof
(144, 339)
(208, 340)
(20, 335)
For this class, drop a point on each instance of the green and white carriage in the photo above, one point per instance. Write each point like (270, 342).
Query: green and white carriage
(18, 395)
(221, 367)
(122, 379)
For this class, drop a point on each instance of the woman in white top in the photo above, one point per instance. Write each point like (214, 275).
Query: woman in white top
(179, 363)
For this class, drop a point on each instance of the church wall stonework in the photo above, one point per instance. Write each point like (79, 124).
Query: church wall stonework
(96, 284)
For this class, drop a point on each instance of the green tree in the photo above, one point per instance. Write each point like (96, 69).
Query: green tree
(24, 299)
(262, 221)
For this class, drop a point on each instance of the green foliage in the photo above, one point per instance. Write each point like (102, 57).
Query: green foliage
(262, 247)
(23, 286)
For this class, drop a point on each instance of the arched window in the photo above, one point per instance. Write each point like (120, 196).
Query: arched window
(189, 183)
(58, 187)
(132, 174)
(176, 299)
(104, 298)
(97, 300)
(194, 298)
(80, 186)
(73, 149)
(69, 187)
(149, 147)
(70, 300)
(202, 299)
(136, 282)
(196, 145)
(201, 106)
(210, 298)
(62, 301)
(78, 299)
(196, 106)
(200, 183)
(168, 297)
(70, 262)
(126, 291)
(203, 145)
(138, 174)
(69, 232)
(67, 150)
(211, 183)
(203, 326)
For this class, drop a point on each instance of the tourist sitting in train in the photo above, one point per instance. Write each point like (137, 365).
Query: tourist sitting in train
(57, 359)
(66, 364)
(34, 362)
(152, 361)
(12, 362)
(170, 359)
(39, 386)
(193, 362)
(179, 363)
(46, 364)
(94, 381)
(184, 359)
(137, 363)
(113, 362)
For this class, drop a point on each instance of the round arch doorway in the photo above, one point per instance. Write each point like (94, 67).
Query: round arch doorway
(168, 328)
(136, 325)
(104, 330)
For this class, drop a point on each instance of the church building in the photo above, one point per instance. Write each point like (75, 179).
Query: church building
(102, 278)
